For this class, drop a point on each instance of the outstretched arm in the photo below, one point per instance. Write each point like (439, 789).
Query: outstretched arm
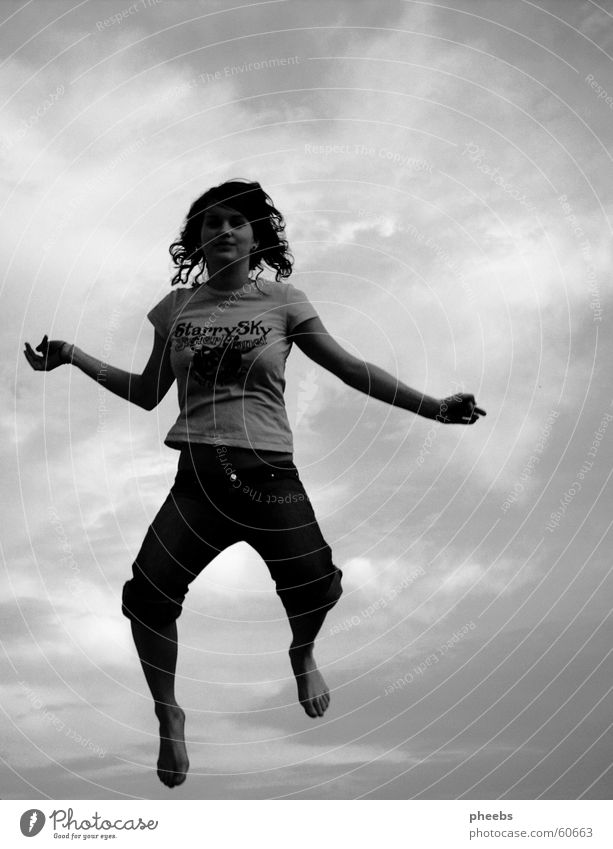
(314, 340)
(146, 390)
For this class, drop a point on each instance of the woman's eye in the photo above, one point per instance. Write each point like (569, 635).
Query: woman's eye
(216, 222)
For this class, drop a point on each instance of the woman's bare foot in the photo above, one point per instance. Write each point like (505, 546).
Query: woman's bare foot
(313, 692)
(173, 763)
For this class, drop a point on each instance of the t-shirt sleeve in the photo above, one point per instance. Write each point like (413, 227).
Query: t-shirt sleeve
(160, 315)
(298, 308)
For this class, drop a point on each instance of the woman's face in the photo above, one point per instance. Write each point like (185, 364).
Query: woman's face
(226, 235)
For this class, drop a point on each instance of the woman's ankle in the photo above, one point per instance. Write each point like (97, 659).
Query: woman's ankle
(163, 708)
(301, 649)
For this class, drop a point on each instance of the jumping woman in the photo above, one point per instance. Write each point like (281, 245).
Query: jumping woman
(225, 340)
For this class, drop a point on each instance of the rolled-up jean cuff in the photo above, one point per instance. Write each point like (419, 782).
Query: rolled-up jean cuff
(154, 612)
(298, 603)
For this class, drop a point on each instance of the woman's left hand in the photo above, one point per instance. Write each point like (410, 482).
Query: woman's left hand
(52, 354)
(459, 409)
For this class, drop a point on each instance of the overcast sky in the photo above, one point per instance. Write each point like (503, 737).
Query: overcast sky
(445, 174)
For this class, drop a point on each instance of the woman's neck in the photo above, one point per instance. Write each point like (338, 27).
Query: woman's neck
(229, 279)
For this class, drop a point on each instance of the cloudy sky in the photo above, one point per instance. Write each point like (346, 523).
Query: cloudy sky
(445, 173)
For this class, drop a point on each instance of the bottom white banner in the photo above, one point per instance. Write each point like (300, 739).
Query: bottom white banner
(307, 824)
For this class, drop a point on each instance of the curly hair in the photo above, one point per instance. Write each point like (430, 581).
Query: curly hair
(256, 206)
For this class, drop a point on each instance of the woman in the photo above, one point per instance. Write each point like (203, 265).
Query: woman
(225, 340)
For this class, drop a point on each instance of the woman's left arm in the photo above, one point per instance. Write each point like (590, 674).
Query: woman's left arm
(314, 340)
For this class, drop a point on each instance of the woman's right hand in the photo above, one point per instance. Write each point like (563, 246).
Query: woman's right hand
(459, 409)
(52, 354)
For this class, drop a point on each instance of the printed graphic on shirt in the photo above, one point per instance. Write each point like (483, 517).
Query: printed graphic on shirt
(218, 351)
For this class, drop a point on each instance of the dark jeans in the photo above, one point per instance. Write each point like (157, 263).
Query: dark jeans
(222, 495)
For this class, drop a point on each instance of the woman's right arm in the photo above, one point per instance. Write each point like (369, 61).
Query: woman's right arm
(146, 390)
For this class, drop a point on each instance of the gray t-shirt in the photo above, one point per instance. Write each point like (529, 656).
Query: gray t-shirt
(228, 353)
